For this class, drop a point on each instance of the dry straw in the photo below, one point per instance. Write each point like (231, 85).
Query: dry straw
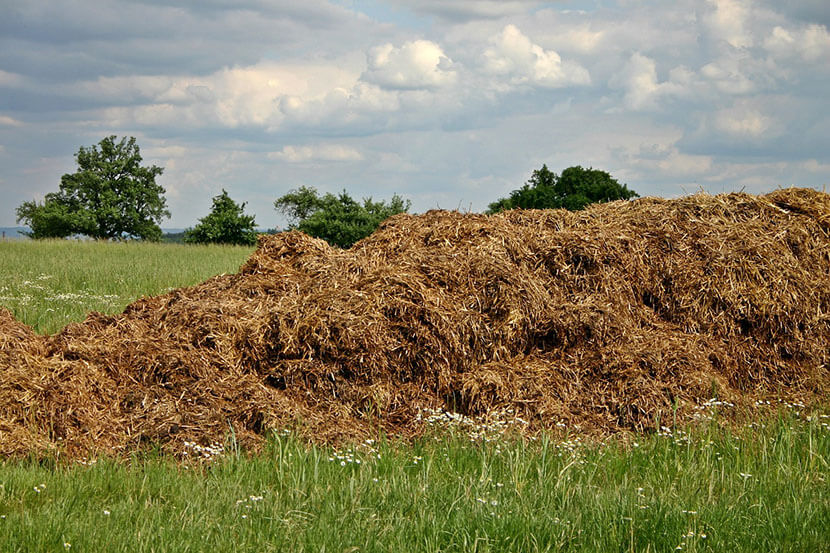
(615, 318)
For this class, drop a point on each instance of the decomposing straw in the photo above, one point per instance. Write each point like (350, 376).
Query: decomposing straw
(613, 318)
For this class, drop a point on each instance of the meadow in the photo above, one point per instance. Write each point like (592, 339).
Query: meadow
(762, 486)
(47, 284)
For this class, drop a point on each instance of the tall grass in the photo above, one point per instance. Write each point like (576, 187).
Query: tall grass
(756, 490)
(48, 284)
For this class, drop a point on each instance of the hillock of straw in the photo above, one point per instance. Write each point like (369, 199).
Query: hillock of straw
(617, 318)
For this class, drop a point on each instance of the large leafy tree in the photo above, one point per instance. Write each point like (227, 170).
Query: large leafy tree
(225, 224)
(574, 189)
(339, 220)
(110, 196)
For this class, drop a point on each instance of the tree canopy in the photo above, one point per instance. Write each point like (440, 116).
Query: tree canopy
(574, 189)
(225, 224)
(339, 220)
(110, 196)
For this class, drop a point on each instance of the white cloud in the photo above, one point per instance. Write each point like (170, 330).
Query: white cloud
(815, 166)
(254, 95)
(167, 155)
(728, 22)
(260, 95)
(780, 41)
(727, 75)
(274, 97)
(416, 64)
(7, 121)
(678, 164)
(743, 122)
(658, 156)
(319, 152)
(122, 89)
(642, 89)
(352, 107)
(754, 177)
(515, 57)
(811, 43)
(8, 79)
(581, 39)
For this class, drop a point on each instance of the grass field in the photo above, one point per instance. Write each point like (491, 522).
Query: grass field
(47, 284)
(762, 487)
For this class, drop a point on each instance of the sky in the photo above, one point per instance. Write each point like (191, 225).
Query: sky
(449, 103)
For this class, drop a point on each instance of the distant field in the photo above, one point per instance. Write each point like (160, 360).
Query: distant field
(47, 284)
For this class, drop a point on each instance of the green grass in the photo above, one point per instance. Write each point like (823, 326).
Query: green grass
(760, 488)
(47, 284)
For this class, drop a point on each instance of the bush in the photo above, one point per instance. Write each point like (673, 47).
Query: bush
(339, 220)
(575, 189)
(225, 224)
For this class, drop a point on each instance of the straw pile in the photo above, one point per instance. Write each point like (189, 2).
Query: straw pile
(610, 319)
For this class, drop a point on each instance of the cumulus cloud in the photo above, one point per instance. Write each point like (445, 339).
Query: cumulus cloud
(256, 95)
(515, 57)
(678, 164)
(728, 21)
(643, 91)
(812, 43)
(415, 64)
(743, 122)
(261, 95)
(318, 152)
(672, 164)
(657, 156)
(727, 75)
(581, 39)
(403, 88)
(354, 107)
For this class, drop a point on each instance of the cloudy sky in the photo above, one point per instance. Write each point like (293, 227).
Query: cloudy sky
(450, 103)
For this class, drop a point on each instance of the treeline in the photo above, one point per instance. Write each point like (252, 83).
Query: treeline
(113, 197)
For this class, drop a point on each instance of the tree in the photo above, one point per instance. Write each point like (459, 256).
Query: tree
(225, 224)
(110, 196)
(339, 220)
(574, 189)
(52, 219)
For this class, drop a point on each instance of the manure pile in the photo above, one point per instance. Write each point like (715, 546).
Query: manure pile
(610, 319)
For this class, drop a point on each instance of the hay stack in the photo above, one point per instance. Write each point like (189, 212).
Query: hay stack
(606, 318)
